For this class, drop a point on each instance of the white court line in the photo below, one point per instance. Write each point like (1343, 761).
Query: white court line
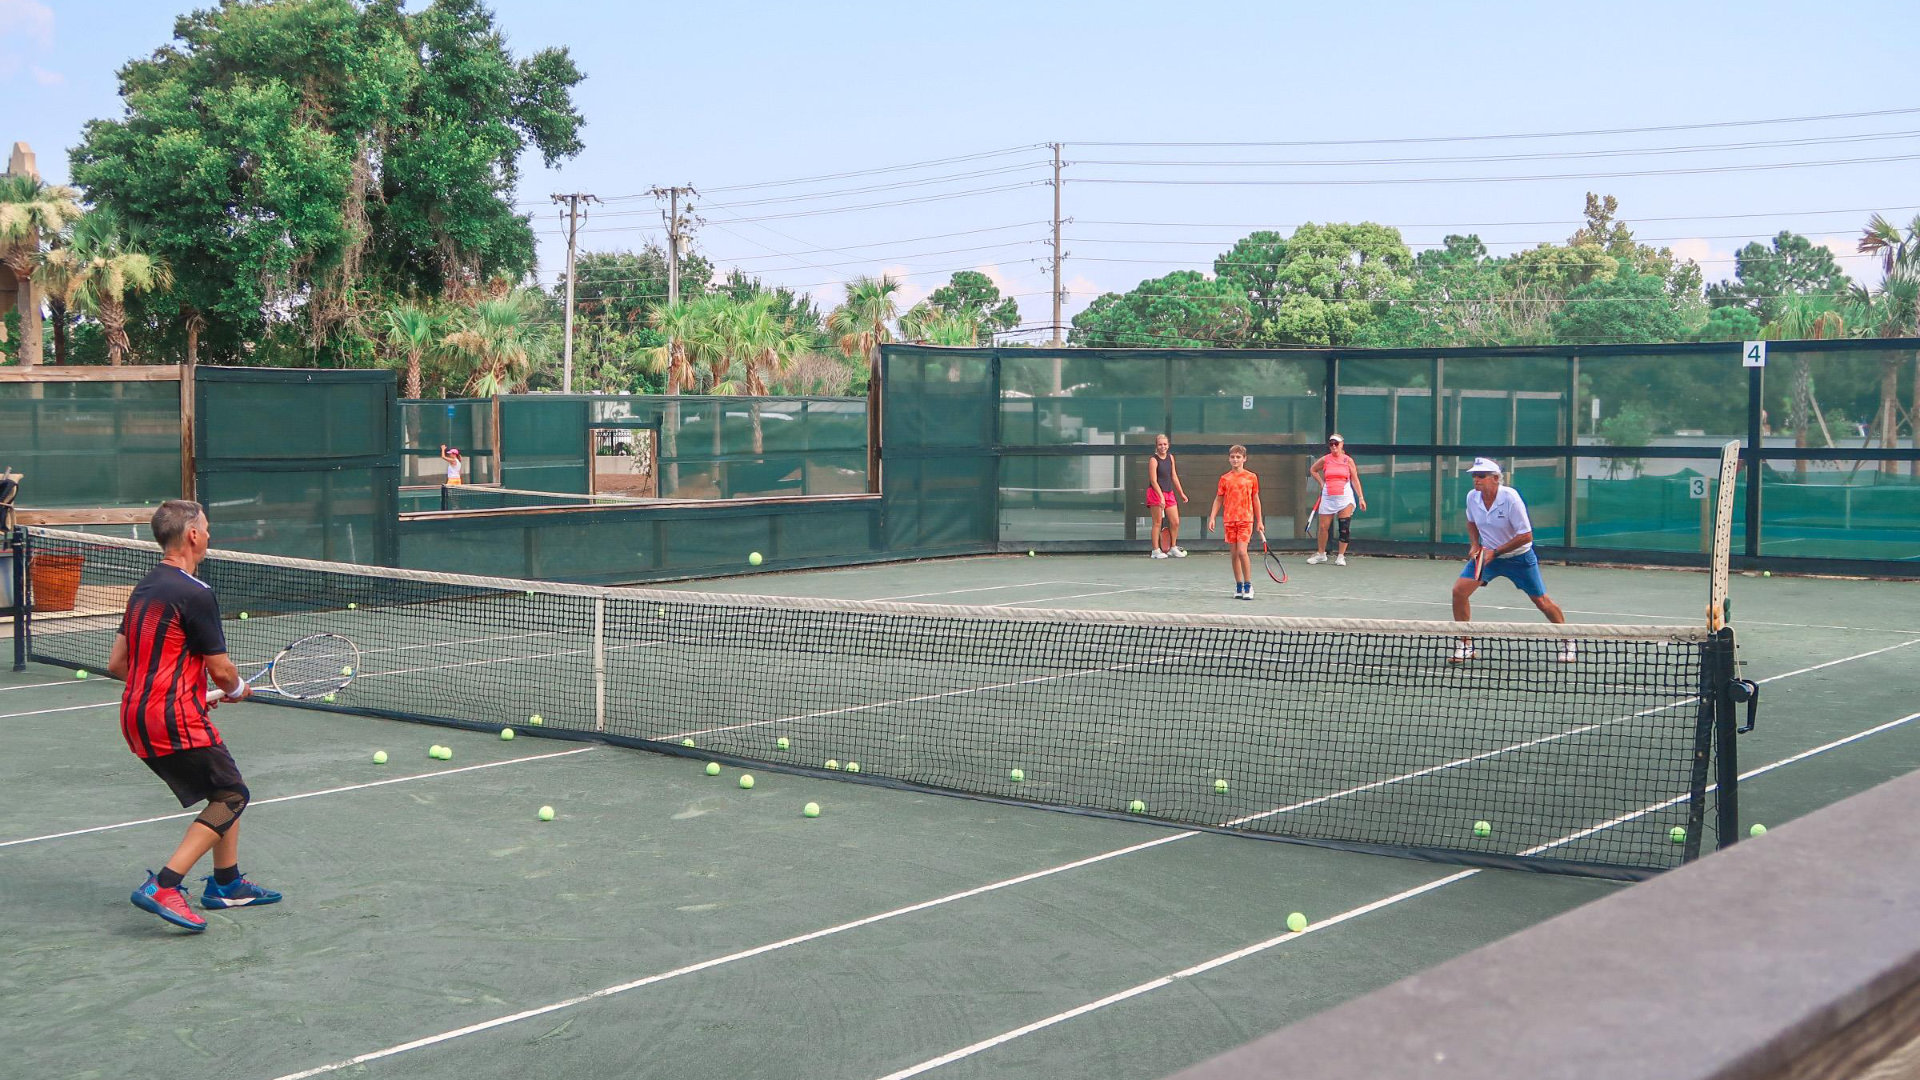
(621, 988)
(66, 708)
(1075, 596)
(301, 795)
(1281, 939)
(38, 685)
(974, 588)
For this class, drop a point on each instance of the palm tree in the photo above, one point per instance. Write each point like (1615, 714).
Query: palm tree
(413, 329)
(1801, 318)
(1896, 313)
(61, 272)
(860, 324)
(491, 341)
(769, 342)
(32, 213)
(117, 267)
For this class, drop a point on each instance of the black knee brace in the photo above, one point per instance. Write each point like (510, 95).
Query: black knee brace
(1346, 530)
(224, 808)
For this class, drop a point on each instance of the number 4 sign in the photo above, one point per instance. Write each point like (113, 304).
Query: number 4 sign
(1753, 354)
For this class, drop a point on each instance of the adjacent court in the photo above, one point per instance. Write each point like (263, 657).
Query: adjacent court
(669, 923)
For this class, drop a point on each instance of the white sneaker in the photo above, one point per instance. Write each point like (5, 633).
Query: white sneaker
(1179, 552)
(1462, 653)
(1568, 653)
(1339, 560)
(1157, 554)
(1246, 594)
(1316, 558)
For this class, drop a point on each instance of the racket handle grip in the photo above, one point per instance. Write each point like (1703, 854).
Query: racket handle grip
(217, 694)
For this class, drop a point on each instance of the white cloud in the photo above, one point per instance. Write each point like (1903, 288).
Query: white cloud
(47, 78)
(26, 30)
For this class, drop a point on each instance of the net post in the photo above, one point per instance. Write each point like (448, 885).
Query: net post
(1705, 717)
(18, 569)
(1726, 758)
(600, 663)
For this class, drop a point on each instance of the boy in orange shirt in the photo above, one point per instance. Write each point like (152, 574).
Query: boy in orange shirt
(1239, 494)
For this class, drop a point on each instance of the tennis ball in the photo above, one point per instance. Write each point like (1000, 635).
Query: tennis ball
(1677, 834)
(713, 768)
(1296, 922)
(529, 594)
(753, 558)
(1017, 775)
(328, 699)
(686, 742)
(434, 751)
(662, 613)
(243, 614)
(379, 757)
(812, 809)
(80, 673)
(506, 734)
(853, 766)
(1136, 807)
(1481, 828)
(746, 780)
(535, 720)
(781, 743)
(353, 607)
(346, 671)
(1029, 554)
(1757, 830)
(1219, 787)
(1766, 573)
(546, 813)
(832, 764)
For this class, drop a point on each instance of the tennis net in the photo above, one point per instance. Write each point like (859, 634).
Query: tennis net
(1352, 733)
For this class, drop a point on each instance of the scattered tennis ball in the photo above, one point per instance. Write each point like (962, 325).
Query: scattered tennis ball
(506, 734)
(1017, 775)
(328, 698)
(446, 753)
(853, 766)
(1219, 787)
(1296, 922)
(746, 780)
(812, 809)
(243, 614)
(1757, 830)
(713, 768)
(535, 720)
(379, 757)
(434, 751)
(1029, 554)
(80, 673)
(781, 743)
(1766, 573)
(529, 594)
(346, 671)
(686, 742)
(832, 764)
(546, 813)
(1677, 834)
(1136, 807)
(662, 613)
(753, 558)
(353, 607)
(1481, 828)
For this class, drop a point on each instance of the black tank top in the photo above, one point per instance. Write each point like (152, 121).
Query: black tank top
(1163, 471)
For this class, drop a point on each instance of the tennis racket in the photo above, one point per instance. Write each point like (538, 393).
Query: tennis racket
(1271, 560)
(1313, 518)
(313, 667)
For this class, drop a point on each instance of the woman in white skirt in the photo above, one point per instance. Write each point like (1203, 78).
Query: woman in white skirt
(1340, 492)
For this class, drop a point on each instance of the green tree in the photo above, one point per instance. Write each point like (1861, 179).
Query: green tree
(303, 164)
(860, 325)
(1454, 296)
(626, 287)
(1893, 310)
(1765, 276)
(1183, 310)
(32, 216)
(1335, 279)
(971, 298)
(493, 346)
(115, 267)
(1253, 265)
(1729, 323)
(1624, 307)
(413, 331)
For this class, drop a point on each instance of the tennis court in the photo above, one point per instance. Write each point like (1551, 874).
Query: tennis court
(669, 923)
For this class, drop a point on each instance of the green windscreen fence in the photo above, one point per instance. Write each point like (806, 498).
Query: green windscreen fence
(940, 463)
(92, 444)
(463, 424)
(299, 462)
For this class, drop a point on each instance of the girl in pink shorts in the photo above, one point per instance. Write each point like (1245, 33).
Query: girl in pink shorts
(1164, 496)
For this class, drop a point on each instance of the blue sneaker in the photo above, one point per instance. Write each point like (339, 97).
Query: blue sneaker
(169, 904)
(242, 893)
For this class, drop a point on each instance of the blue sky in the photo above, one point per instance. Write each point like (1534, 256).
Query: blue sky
(723, 96)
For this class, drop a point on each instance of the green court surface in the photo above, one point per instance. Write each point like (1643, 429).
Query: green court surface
(671, 924)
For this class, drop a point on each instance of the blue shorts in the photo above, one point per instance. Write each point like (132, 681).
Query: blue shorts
(1522, 569)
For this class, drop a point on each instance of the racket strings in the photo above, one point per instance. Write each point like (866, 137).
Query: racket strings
(315, 666)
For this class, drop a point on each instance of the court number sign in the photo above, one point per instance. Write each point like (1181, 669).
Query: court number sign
(1247, 402)
(1698, 487)
(1753, 354)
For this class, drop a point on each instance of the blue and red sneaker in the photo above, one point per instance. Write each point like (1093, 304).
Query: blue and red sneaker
(242, 893)
(169, 904)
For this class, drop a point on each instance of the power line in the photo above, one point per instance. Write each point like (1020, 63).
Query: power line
(1497, 224)
(1554, 155)
(1377, 181)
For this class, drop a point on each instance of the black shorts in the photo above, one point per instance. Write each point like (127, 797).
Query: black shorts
(194, 775)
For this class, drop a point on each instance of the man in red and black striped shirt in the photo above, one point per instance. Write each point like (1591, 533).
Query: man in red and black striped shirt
(170, 643)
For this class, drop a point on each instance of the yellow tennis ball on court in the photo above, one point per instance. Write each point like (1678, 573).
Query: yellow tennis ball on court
(243, 614)
(753, 558)
(746, 780)
(434, 751)
(546, 813)
(1219, 787)
(1296, 922)
(506, 734)
(1029, 554)
(80, 673)
(353, 607)
(535, 720)
(379, 757)
(346, 671)
(686, 742)
(1757, 830)
(833, 764)
(853, 766)
(1766, 573)
(1677, 834)
(1136, 807)
(713, 768)
(1017, 775)
(812, 809)
(781, 742)
(1481, 828)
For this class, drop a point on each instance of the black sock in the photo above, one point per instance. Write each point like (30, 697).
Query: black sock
(167, 879)
(226, 875)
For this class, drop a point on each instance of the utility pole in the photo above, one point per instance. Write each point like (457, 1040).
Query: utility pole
(676, 230)
(1059, 294)
(573, 214)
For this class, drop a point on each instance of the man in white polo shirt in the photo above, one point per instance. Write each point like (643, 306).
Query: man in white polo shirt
(1502, 546)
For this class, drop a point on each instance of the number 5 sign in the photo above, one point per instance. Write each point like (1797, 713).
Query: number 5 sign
(1753, 354)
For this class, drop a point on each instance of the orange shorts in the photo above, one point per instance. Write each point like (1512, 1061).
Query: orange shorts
(1239, 532)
